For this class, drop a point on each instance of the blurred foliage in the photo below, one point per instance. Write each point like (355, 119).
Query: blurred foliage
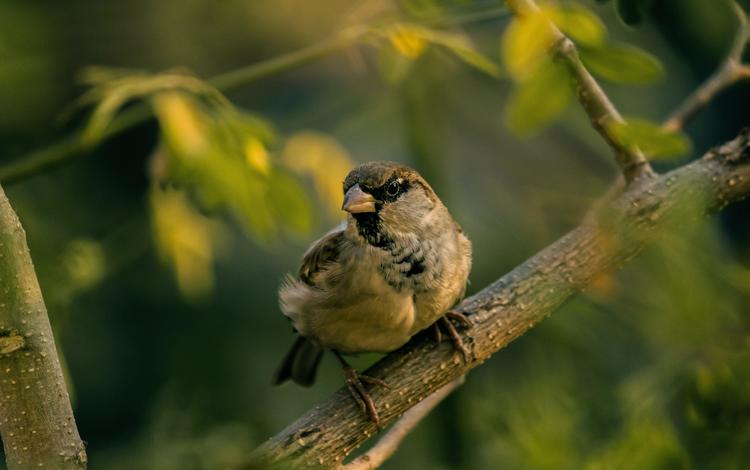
(542, 90)
(185, 239)
(622, 63)
(651, 138)
(648, 369)
(643, 379)
(221, 156)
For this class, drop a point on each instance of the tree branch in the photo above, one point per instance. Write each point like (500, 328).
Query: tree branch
(595, 102)
(36, 418)
(503, 311)
(388, 444)
(731, 71)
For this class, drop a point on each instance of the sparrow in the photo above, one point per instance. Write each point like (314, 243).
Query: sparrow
(394, 268)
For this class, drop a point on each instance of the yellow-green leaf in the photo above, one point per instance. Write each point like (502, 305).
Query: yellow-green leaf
(291, 202)
(85, 263)
(186, 239)
(408, 40)
(525, 43)
(582, 25)
(622, 63)
(463, 48)
(393, 66)
(256, 156)
(650, 138)
(538, 100)
(323, 158)
(180, 122)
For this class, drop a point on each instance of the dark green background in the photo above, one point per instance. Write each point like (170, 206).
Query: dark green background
(650, 369)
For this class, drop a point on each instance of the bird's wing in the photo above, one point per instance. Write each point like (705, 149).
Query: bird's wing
(321, 255)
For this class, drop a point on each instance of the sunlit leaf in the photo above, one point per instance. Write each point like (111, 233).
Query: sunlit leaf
(256, 155)
(181, 122)
(186, 240)
(540, 99)
(654, 141)
(582, 25)
(323, 158)
(410, 41)
(111, 89)
(622, 63)
(463, 48)
(407, 40)
(525, 43)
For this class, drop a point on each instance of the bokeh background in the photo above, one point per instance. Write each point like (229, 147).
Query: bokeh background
(169, 366)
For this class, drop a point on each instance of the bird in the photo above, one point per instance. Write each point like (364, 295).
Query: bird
(394, 267)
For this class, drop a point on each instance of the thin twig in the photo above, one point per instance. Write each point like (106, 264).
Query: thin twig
(730, 71)
(388, 444)
(631, 161)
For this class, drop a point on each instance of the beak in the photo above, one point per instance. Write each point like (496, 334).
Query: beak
(357, 201)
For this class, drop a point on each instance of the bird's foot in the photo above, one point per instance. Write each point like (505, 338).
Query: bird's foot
(447, 322)
(355, 382)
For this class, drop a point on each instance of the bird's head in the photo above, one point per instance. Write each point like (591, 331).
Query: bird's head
(386, 199)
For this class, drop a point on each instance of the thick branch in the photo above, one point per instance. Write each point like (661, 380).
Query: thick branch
(36, 419)
(731, 71)
(516, 302)
(595, 102)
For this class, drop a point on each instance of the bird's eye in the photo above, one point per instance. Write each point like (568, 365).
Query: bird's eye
(393, 188)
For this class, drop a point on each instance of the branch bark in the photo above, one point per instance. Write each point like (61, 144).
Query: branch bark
(631, 161)
(388, 444)
(36, 418)
(503, 311)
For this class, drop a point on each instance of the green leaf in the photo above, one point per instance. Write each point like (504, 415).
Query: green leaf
(622, 63)
(650, 138)
(525, 42)
(408, 42)
(462, 47)
(393, 66)
(539, 100)
(582, 25)
(324, 159)
(292, 204)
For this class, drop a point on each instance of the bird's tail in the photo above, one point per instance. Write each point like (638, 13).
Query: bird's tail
(300, 364)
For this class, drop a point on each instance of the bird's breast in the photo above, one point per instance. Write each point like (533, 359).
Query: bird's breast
(412, 264)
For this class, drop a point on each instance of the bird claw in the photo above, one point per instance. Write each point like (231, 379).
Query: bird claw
(459, 317)
(354, 382)
(446, 321)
